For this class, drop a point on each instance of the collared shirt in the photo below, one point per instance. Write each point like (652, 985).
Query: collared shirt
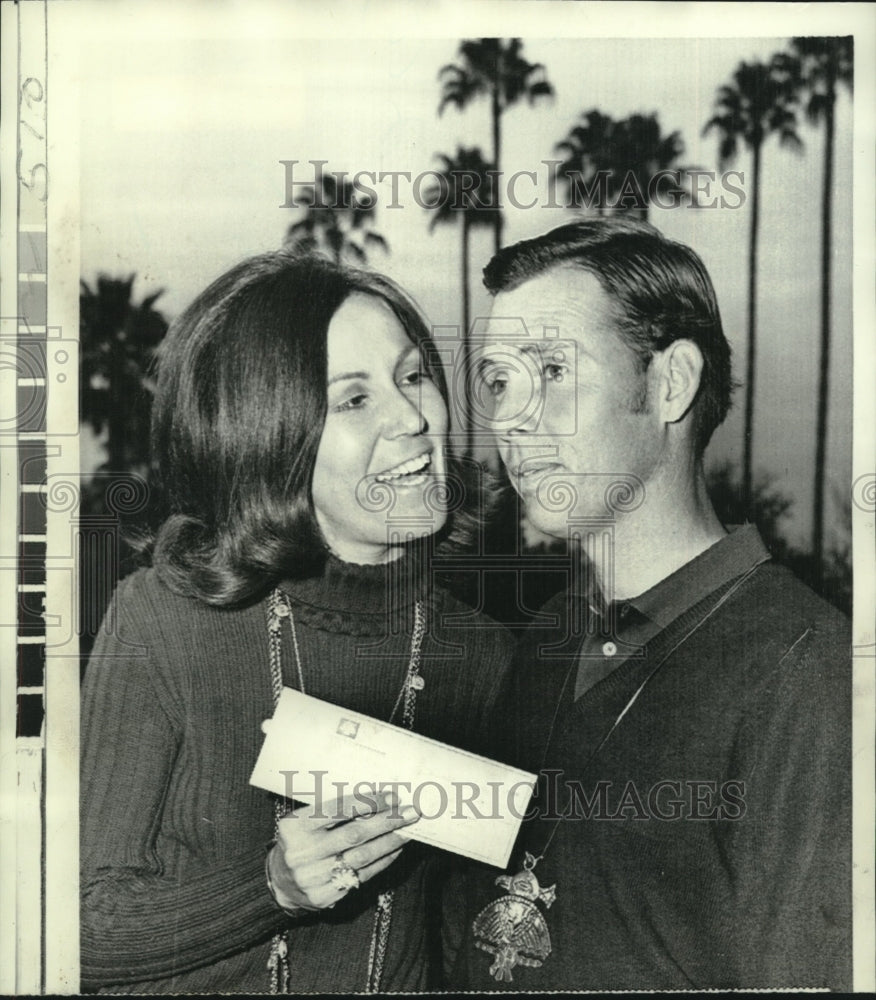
(622, 628)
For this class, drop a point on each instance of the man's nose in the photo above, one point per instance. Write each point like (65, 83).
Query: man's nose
(520, 409)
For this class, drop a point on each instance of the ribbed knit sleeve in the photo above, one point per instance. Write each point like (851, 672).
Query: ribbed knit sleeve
(139, 920)
(173, 835)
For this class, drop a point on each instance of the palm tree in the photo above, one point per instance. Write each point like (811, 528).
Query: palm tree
(611, 162)
(118, 343)
(466, 191)
(825, 64)
(492, 68)
(588, 148)
(338, 220)
(760, 101)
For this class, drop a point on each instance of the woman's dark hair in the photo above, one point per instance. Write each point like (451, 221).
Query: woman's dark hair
(237, 420)
(660, 291)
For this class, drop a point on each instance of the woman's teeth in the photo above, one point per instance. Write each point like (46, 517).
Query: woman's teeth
(406, 470)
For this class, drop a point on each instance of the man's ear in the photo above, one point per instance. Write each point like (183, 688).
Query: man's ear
(681, 368)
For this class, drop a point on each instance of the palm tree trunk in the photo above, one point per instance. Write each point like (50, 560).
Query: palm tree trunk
(824, 373)
(466, 345)
(747, 457)
(497, 153)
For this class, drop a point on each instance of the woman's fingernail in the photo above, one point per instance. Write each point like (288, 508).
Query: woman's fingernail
(409, 813)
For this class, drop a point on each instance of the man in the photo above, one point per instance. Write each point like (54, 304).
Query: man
(687, 700)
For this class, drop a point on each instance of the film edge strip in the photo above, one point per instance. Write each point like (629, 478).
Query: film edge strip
(25, 452)
(31, 391)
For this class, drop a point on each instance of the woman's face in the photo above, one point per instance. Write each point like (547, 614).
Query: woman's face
(380, 466)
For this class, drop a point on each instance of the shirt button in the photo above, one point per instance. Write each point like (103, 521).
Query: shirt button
(417, 683)
(609, 649)
(281, 610)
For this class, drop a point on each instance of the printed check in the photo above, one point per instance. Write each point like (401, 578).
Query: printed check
(469, 804)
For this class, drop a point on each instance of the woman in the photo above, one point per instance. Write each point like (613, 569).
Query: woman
(300, 431)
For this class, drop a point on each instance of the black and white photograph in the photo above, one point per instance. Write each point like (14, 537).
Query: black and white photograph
(438, 497)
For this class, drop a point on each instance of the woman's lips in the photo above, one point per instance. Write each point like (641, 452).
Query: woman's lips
(405, 473)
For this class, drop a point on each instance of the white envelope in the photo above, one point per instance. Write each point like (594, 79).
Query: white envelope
(316, 751)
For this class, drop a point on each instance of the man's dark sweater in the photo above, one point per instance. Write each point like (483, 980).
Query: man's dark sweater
(705, 786)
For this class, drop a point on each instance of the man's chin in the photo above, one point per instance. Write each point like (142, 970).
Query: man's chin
(544, 530)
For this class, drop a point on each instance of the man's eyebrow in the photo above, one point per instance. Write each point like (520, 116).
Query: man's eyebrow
(499, 355)
(539, 349)
(549, 349)
(532, 347)
(484, 362)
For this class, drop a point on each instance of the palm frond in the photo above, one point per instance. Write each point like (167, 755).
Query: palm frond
(376, 240)
(492, 66)
(789, 138)
(150, 300)
(355, 251)
(459, 88)
(540, 89)
(465, 188)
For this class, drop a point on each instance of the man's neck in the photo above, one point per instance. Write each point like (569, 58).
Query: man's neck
(671, 528)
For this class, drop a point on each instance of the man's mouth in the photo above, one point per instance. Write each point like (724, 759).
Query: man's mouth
(412, 472)
(528, 471)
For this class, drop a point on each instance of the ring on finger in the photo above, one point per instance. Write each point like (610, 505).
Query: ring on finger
(344, 876)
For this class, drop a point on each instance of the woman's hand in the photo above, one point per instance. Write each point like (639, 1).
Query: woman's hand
(316, 845)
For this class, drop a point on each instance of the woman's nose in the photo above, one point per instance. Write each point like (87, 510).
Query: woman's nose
(405, 415)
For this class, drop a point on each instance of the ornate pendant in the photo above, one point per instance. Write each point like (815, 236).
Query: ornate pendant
(512, 928)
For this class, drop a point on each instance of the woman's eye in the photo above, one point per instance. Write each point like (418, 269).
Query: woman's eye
(415, 377)
(351, 403)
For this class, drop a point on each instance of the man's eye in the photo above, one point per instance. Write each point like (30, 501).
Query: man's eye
(555, 372)
(496, 382)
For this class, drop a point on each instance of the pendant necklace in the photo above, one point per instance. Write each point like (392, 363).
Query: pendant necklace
(512, 928)
(278, 609)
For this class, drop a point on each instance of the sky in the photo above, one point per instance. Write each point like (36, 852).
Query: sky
(184, 119)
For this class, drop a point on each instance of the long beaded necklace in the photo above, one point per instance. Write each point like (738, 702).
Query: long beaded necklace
(279, 608)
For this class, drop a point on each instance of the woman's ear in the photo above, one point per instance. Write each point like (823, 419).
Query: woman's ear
(681, 368)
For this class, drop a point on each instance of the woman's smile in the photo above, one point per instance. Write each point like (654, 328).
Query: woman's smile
(411, 472)
(386, 424)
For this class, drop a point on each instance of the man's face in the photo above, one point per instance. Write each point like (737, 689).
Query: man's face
(566, 399)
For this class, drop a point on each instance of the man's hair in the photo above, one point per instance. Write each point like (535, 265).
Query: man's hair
(238, 415)
(659, 290)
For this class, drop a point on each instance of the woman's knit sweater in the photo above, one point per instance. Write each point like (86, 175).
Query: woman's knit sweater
(173, 836)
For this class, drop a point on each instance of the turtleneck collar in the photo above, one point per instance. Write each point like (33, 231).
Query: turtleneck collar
(357, 599)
